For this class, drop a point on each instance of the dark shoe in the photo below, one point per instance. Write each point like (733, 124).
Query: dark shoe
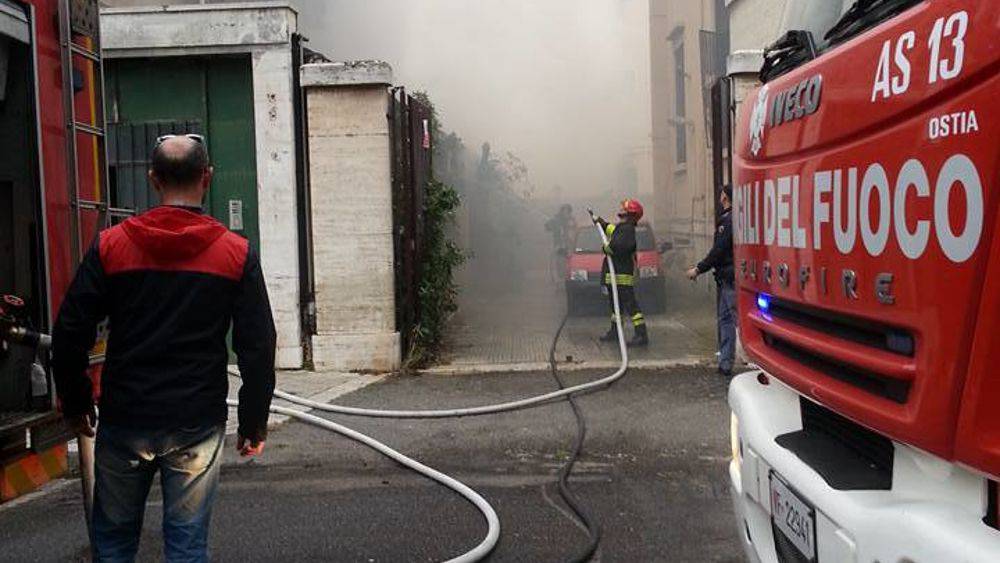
(611, 335)
(641, 337)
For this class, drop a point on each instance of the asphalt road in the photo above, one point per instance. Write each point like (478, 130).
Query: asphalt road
(653, 472)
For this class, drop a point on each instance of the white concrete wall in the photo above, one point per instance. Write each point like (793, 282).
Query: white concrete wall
(754, 24)
(264, 30)
(351, 184)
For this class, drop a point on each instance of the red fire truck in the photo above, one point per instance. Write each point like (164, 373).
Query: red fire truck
(53, 198)
(868, 272)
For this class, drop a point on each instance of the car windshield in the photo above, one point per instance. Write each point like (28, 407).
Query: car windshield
(644, 239)
(589, 240)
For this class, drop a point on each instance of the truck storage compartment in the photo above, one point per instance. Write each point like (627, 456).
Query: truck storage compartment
(21, 260)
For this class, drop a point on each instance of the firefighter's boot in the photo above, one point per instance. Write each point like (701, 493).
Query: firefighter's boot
(640, 338)
(612, 334)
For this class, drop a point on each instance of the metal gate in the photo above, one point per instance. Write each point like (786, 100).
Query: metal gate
(409, 129)
(129, 149)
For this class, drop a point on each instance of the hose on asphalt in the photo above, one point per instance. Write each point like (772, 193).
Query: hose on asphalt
(593, 529)
(492, 521)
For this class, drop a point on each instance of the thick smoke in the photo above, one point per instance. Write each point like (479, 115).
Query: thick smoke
(563, 84)
(551, 101)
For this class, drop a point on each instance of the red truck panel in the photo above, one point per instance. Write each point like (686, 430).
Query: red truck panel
(900, 157)
(53, 134)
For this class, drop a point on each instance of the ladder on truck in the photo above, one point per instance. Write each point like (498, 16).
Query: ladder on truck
(81, 19)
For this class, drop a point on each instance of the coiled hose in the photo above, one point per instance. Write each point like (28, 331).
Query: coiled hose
(493, 522)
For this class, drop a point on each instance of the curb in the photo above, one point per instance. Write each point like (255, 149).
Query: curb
(523, 367)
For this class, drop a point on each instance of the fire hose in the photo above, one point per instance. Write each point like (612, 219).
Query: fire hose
(481, 550)
(493, 532)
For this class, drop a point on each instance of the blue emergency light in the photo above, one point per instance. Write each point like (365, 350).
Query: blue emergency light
(763, 302)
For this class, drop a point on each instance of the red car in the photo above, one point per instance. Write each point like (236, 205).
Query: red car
(583, 272)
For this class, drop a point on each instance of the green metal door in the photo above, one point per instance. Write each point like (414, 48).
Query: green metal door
(208, 95)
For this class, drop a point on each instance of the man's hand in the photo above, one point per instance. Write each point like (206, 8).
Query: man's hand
(692, 273)
(249, 448)
(84, 424)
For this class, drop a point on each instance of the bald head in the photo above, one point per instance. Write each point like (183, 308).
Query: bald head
(179, 164)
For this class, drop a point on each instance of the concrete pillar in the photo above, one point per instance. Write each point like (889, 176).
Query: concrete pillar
(351, 183)
(277, 206)
(744, 67)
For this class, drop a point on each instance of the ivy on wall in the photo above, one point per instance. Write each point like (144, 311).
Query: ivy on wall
(438, 291)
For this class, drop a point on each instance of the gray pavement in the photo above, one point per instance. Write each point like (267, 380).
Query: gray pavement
(508, 323)
(654, 474)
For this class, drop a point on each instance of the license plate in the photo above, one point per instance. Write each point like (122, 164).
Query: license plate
(793, 517)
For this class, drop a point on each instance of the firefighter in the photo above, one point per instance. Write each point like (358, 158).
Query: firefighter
(563, 227)
(621, 250)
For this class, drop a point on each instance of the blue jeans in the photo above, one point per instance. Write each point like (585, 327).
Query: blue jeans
(126, 460)
(726, 300)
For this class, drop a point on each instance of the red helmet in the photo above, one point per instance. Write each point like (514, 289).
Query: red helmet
(631, 207)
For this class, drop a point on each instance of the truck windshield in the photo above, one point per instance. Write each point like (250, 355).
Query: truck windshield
(814, 16)
(834, 21)
(810, 26)
(865, 14)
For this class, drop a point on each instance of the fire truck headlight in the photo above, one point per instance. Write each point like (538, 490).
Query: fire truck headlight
(578, 275)
(734, 437)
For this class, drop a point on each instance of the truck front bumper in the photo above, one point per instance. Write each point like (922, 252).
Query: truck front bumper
(933, 511)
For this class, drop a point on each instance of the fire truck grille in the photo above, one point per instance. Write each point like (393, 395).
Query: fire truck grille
(845, 327)
(893, 389)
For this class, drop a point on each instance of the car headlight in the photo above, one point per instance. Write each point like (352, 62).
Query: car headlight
(734, 436)
(578, 275)
(648, 272)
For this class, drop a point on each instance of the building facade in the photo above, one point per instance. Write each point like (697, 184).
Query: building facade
(687, 51)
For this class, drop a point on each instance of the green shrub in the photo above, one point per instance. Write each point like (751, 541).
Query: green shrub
(438, 292)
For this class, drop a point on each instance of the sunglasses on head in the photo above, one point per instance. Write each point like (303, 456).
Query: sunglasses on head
(194, 137)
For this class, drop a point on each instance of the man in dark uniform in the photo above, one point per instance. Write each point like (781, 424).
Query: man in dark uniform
(720, 259)
(621, 250)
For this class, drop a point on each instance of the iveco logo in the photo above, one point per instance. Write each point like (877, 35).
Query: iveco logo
(796, 102)
(757, 121)
(787, 105)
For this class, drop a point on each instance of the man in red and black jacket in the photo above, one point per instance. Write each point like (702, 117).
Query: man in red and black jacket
(171, 282)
